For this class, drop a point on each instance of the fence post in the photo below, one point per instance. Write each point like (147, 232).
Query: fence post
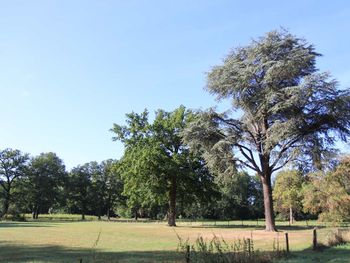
(249, 246)
(314, 239)
(287, 242)
(188, 254)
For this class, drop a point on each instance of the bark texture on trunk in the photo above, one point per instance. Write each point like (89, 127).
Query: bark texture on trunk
(172, 202)
(291, 217)
(268, 203)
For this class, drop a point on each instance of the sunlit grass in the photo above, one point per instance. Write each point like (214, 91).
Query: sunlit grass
(52, 241)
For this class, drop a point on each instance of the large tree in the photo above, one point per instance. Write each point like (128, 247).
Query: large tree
(13, 164)
(157, 166)
(43, 182)
(80, 188)
(282, 107)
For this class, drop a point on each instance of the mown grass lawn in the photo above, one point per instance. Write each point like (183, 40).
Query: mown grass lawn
(98, 241)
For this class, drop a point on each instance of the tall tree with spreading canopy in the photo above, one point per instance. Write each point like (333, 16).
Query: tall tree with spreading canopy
(157, 166)
(283, 107)
(13, 164)
(44, 179)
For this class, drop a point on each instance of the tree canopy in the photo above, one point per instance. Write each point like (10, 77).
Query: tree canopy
(288, 108)
(13, 165)
(157, 166)
(287, 192)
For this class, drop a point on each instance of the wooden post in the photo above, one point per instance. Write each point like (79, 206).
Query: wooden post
(314, 239)
(287, 242)
(81, 260)
(249, 246)
(188, 254)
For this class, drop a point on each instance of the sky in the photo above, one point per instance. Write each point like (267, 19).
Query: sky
(69, 69)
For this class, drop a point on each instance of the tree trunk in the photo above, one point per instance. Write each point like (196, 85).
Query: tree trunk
(268, 203)
(172, 202)
(6, 204)
(108, 214)
(291, 217)
(36, 213)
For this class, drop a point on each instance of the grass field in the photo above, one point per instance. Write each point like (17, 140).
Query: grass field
(98, 241)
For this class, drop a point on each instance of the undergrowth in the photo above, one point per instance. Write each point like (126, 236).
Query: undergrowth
(220, 251)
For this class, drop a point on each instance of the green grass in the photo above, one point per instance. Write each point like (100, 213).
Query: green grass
(338, 254)
(68, 241)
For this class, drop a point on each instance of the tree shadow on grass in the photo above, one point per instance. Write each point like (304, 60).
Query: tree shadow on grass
(11, 252)
(339, 254)
(254, 227)
(6, 224)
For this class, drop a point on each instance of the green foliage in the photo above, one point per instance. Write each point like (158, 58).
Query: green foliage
(240, 196)
(157, 167)
(12, 168)
(80, 188)
(284, 109)
(287, 192)
(107, 187)
(43, 184)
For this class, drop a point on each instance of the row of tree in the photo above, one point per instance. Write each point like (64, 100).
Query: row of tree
(41, 184)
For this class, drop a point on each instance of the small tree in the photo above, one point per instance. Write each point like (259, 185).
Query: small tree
(287, 193)
(13, 165)
(284, 107)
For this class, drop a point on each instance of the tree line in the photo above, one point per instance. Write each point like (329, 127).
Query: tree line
(158, 177)
(284, 113)
(41, 185)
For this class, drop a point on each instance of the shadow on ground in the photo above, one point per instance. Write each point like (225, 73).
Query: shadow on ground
(6, 224)
(10, 252)
(252, 227)
(339, 254)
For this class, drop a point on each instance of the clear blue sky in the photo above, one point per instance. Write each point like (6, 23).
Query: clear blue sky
(70, 69)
